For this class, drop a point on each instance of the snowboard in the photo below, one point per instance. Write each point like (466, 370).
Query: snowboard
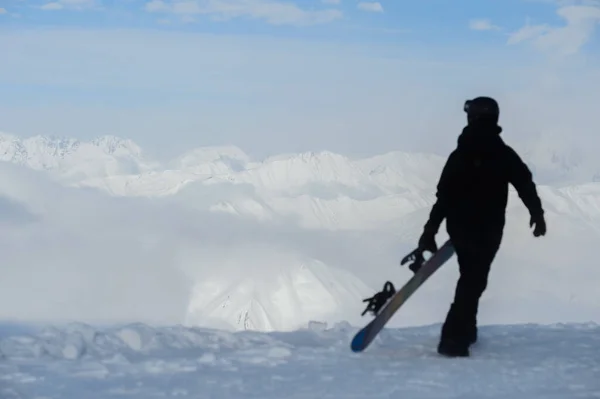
(365, 336)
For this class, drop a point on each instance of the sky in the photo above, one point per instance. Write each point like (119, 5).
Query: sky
(268, 76)
(275, 76)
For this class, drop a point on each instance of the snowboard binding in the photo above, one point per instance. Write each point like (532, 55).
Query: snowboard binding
(376, 302)
(417, 259)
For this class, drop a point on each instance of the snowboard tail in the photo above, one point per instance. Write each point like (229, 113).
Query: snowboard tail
(422, 271)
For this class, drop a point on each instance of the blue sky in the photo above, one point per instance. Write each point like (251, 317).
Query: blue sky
(274, 76)
(430, 21)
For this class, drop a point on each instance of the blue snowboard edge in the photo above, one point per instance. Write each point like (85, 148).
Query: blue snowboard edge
(357, 344)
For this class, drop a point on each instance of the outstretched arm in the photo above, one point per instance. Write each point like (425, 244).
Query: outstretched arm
(522, 180)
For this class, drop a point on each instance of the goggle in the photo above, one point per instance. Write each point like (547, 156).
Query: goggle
(467, 105)
(479, 108)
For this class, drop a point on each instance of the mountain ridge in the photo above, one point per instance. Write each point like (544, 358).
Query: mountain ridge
(83, 162)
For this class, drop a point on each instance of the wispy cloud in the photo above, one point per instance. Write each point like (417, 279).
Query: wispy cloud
(580, 24)
(3, 11)
(274, 12)
(69, 5)
(482, 24)
(370, 6)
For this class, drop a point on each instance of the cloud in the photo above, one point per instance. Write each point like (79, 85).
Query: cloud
(3, 11)
(69, 5)
(331, 1)
(482, 24)
(580, 24)
(78, 254)
(13, 212)
(52, 6)
(274, 12)
(370, 6)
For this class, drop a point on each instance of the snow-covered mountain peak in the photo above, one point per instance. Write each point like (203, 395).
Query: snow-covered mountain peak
(37, 152)
(212, 160)
(75, 160)
(213, 153)
(401, 170)
(117, 146)
(61, 147)
(294, 170)
(310, 157)
(277, 297)
(558, 160)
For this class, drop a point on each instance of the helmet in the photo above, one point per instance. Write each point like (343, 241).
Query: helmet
(482, 110)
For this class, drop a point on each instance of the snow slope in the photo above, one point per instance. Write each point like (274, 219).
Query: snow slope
(294, 293)
(140, 361)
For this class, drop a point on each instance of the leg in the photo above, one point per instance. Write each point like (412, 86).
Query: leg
(460, 327)
(461, 321)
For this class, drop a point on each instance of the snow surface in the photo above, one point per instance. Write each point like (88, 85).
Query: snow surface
(140, 361)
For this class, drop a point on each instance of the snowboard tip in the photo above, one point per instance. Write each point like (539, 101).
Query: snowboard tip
(358, 342)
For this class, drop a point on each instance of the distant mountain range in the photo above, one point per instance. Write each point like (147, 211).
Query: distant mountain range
(390, 193)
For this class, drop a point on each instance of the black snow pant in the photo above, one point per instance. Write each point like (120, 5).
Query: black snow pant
(475, 254)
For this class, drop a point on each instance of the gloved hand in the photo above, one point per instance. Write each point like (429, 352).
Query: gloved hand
(427, 242)
(540, 225)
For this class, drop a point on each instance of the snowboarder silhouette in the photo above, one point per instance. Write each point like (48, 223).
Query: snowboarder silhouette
(472, 195)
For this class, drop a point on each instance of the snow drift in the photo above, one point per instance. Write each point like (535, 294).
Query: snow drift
(141, 361)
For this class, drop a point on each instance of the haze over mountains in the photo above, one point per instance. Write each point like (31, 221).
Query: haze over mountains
(216, 238)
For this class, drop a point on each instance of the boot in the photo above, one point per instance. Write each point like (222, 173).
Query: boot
(458, 333)
(472, 335)
(453, 348)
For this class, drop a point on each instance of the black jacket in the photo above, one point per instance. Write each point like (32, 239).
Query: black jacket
(472, 192)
